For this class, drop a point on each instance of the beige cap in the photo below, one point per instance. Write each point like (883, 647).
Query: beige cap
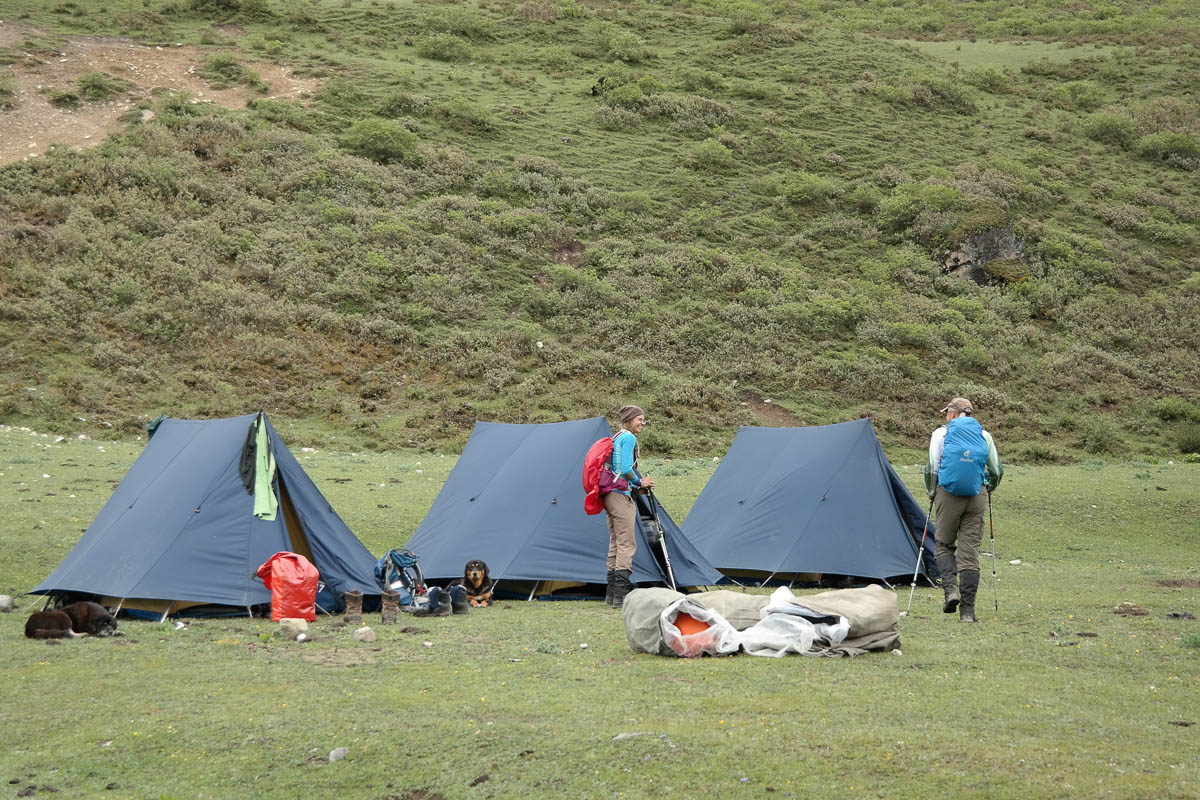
(960, 404)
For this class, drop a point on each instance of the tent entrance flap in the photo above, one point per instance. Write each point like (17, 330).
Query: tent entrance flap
(295, 528)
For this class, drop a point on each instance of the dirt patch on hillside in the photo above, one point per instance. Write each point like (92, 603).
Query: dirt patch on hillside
(770, 414)
(33, 123)
(1180, 584)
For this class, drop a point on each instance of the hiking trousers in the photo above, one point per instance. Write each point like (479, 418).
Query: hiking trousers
(959, 527)
(622, 526)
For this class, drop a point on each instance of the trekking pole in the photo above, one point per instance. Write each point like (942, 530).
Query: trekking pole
(992, 536)
(662, 538)
(920, 554)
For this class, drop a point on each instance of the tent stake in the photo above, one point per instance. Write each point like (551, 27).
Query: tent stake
(167, 612)
(120, 602)
(249, 613)
(531, 591)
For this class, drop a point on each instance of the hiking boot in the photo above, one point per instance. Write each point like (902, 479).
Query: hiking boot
(622, 586)
(439, 605)
(354, 600)
(458, 600)
(969, 583)
(390, 600)
(608, 592)
(946, 566)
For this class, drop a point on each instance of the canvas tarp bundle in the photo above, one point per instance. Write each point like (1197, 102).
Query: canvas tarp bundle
(871, 614)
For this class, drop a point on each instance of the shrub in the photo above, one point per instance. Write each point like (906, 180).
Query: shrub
(1081, 95)
(556, 58)
(1176, 408)
(627, 47)
(463, 115)
(381, 140)
(1114, 129)
(711, 156)
(615, 118)
(444, 47)
(695, 80)
(1188, 439)
(100, 86)
(1179, 149)
(900, 210)
(222, 71)
(989, 79)
(1098, 436)
(63, 98)
(804, 188)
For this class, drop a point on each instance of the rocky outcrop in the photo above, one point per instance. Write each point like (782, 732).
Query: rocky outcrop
(996, 255)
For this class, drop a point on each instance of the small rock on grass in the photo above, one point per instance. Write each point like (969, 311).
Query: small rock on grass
(6, 603)
(1130, 610)
(291, 627)
(364, 634)
(338, 753)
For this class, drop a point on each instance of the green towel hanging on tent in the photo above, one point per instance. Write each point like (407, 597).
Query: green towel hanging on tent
(265, 503)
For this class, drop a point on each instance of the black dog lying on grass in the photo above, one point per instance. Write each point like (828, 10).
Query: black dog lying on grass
(477, 582)
(91, 618)
(74, 620)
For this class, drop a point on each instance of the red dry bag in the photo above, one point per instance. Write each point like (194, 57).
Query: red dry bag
(292, 580)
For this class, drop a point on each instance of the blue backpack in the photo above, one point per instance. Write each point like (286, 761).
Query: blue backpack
(964, 457)
(398, 570)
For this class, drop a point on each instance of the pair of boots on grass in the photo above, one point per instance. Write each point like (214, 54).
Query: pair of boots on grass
(442, 603)
(960, 592)
(389, 606)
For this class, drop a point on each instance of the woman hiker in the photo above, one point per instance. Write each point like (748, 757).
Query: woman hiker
(620, 506)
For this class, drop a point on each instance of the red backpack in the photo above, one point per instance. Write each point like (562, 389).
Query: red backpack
(599, 454)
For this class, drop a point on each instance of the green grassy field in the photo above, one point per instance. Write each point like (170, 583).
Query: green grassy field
(1052, 695)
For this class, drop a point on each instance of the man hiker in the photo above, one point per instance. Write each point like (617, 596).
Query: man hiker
(962, 466)
(620, 507)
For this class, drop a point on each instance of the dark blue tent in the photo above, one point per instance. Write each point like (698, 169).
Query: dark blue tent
(180, 528)
(820, 499)
(515, 500)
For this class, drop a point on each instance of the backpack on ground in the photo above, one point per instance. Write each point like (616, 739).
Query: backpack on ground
(597, 462)
(400, 571)
(964, 457)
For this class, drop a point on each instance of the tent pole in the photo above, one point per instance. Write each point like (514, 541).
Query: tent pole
(46, 605)
(532, 591)
(249, 613)
(120, 602)
(166, 613)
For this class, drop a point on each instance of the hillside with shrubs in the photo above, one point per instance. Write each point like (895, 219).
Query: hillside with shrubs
(539, 210)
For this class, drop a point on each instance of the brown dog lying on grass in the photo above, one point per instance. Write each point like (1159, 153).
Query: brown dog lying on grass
(77, 619)
(49, 625)
(477, 583)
